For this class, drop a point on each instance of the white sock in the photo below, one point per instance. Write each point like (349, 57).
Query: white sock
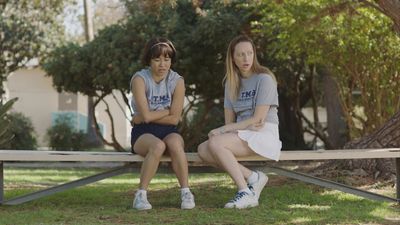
(247, 190)
(252, 178)
(184, 190)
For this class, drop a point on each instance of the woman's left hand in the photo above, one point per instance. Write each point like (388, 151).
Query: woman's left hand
(138, 119)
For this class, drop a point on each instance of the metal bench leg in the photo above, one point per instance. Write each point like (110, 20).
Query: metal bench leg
(398, 179)
(1, 183)
(329, 184)
(69, 185)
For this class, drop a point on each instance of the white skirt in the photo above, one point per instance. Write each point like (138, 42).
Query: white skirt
(264, 142)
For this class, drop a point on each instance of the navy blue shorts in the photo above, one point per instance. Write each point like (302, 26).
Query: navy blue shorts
(158, 130)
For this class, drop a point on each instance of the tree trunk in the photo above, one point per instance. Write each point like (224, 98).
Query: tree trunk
(337, 127)
(290, 126)
(92, 137)
(391, 8)
(388, 136)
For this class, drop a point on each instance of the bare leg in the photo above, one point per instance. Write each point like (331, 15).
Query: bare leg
(205, 154)
(151, 148)
(224, 148)
(175, 148)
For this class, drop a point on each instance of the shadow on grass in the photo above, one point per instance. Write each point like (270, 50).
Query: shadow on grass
(282, 202)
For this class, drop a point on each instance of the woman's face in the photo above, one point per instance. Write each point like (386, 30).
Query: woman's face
(160, 66)
(243, 56)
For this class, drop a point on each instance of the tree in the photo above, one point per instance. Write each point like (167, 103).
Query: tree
(27, 30)
(95, 69)
(357, 46)
(388, 134)
(348, 46)
(107, 63)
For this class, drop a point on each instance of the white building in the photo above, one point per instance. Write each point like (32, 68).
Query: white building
(40, 101)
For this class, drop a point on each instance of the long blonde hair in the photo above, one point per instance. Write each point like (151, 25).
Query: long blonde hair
(232, 75)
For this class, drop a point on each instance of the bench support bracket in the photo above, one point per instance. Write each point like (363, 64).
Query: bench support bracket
(1, 182)
(62, 187)
(129, 168)
(330, 184)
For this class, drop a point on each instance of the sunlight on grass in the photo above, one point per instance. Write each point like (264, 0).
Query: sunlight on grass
(110, 201)
(312, 207)
(341, 195)
(300, 220)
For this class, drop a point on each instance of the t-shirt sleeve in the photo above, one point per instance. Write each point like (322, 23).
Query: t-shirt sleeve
(173, 80)
(267, 92)
(227, 100)
(137, 74)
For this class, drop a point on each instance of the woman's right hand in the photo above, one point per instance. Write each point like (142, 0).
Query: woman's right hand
(257, 126)
(216, 131)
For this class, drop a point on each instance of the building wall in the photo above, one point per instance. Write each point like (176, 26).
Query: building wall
(119, 112)
(36, 98)
(41, 102)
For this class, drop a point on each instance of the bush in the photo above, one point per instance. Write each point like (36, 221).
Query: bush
(63, 136)
(5, 134)
(24, 133)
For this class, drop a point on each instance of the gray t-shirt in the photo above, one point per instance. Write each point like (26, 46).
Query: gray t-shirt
(159, 95)
(259, 89)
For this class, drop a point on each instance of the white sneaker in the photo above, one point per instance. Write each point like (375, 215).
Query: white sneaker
(187, 200)
(243, 200)
(259, 185)
(140, 202)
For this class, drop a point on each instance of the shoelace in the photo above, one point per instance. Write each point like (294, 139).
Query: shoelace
(187, 196)
(238, 196)
(250, 187)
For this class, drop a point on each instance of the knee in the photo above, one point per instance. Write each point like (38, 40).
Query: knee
(214, 144)
(175, 150)
(202, 151)
(157, 149)
(175, 145)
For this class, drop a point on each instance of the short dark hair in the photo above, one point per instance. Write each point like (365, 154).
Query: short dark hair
(156, 47)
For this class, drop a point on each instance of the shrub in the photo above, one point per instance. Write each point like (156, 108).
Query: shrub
(63, 136)
(24, 133)
(5, 134)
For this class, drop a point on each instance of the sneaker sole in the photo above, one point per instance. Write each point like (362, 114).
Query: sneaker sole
(247, 206)
(190, 207)
(142, 209)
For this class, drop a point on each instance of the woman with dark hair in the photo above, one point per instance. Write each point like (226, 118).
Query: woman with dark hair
(251, 122)
(157, 102)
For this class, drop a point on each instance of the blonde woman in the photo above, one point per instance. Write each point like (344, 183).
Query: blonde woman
(251, 122)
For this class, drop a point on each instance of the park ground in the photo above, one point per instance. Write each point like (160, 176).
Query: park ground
(283, 201)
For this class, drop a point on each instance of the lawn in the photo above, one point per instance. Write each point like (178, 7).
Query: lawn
(284, 201)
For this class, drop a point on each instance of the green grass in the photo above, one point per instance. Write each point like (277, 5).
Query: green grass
(109, 201)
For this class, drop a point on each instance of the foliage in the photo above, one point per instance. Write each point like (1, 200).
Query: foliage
(27, 30)
(24, 133)
(63, 136)
(357, 45)
(294, 38)
(5, 134)
(108, 62)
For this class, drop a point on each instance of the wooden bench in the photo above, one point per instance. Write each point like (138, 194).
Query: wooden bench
(131, 159)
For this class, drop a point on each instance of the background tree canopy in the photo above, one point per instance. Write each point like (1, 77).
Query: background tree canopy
(28, 29)
(311, 46)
